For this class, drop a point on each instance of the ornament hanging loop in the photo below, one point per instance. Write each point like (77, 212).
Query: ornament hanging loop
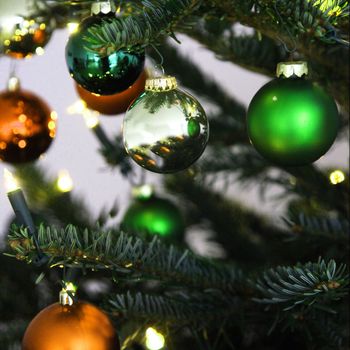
(13, 83)
(292, 50)
(160, 64)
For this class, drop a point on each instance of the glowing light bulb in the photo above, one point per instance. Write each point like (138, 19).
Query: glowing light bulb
(142, 192)
(154, 339)
(91, 119)
(336, 177)
(77, 107)
(11, 183)
(72, 27)
(39, 51)
(64, 181)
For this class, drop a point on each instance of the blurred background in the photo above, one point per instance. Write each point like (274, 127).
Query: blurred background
(76, 148)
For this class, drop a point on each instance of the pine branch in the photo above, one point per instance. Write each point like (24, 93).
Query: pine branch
(156, 19)
(182, 309)
(247, 165)
(123, 254)
(247, 237)
(320, 226)
(311, 285)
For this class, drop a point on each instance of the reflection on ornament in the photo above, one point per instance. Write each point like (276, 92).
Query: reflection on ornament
(100, 72)
(165, 130)
(336, 177)
(21, 35)
(292, 121)
(154, 339)
(70, 327)
(27, 126)
(113, 104)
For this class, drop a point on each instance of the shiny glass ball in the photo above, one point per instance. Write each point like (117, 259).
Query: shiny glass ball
(165, 132)
(101, 73)
(27, 126)
(79, 326)
(22, 35)
(292, 121)
(113, 104)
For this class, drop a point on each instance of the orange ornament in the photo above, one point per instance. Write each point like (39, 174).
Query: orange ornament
(113, 104)
(80, 326)
(27, 126)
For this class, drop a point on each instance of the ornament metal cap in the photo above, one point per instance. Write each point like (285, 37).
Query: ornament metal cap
(103, 7)
(161, 84)
(288, 69)
(66, 292)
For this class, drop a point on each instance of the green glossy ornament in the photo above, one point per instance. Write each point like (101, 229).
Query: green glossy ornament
(165, 130)
(155, 216)
(101, 73)
(292, 121)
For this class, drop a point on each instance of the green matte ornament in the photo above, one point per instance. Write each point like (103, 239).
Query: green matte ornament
(291, 121)
(155, 216)
(165, 129)
(100, 72)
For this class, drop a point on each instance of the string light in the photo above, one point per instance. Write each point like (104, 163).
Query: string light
(336, 177)
(142, 192)
(154, 339)
(11, 184)
(64, 181)
(72, 27)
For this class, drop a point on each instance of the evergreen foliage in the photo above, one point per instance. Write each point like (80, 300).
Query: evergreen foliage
(280, 283)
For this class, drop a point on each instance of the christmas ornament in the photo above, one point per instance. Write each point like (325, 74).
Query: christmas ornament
(22, 35)
(101, 72)
(27, 125)
(165, 130)
(153, 215)
(113, 104)
(292, 121)
(70, 325)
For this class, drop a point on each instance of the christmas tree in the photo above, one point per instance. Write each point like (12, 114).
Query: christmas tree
(138, 279)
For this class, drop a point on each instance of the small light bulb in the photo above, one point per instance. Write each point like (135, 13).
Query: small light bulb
(142, 192)
(39, 51)
(72, 27)
(154, 339)
(77, 107)
(336, 177)
(91, 119)
(11, 183)
(64, 181)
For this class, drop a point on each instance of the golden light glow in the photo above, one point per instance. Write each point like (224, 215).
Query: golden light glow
(154, 339)
(53, 115)
(39, 51)
(91, 120)
(90, 117)
(336, 177)
(22, 144)
(11, 183)
(144, 191)
(77, 107)
(72, 27)
(64, 181)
